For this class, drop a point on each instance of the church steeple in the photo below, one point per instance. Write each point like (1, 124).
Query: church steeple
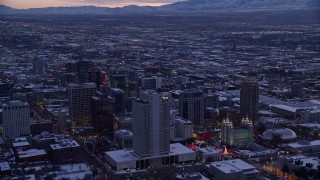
(246, 121)
(227, 122)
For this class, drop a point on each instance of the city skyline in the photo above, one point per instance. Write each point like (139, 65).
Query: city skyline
(200, 89)
(21, 4)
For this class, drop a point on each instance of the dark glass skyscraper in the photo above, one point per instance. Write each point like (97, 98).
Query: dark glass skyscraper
(192, 105)
(249, 98)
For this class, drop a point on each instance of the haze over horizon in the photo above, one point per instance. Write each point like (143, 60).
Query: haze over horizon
(26, 4)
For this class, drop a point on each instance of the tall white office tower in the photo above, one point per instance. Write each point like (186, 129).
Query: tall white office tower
(151, 124)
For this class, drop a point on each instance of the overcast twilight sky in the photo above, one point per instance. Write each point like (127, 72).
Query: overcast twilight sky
(24, 4)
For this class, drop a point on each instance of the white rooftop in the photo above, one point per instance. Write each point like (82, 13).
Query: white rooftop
(129, 155)
(285, 107)
(311, 125)
(73, 171)
(193, 176)
(123, 155)
(5, 166)
(66, 143)
(21, 143)
(31, 153)
(232, 166)
(19, 139)
(304, 144)
(177, 148)
(304, 159)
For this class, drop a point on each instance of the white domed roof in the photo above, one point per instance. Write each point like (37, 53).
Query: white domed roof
(282, 133)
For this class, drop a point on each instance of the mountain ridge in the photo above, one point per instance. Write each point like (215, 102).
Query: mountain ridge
(177, 7)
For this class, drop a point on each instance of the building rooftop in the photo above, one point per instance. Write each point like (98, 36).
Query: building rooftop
(123, 132)
(4, 166)
(191, 176)
(208, 150)
(311, 125)
(21, 143)
(31, 153)
(233, 166)
(282, 133)
(66, 143)
(129, 155)
(304, 159)
(285, 107)
(304, 144)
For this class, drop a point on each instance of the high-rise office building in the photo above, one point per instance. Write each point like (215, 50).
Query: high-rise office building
(118, 99)
(99, 77)
(102, 117)
(38, 66)
(151, 124)
(16, 119)
(249, 98)
(191, 105)
(83, 70)
(211, 100)
(148, 83)
(79, 103)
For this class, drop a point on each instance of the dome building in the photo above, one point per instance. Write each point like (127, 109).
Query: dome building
(279, 135)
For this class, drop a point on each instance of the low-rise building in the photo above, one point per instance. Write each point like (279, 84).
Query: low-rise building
(208, 154)
(293, 163)
(5, 169)
(127, 159)
(124, 137)
(191, 176)
(234, 169)
(31, 155)
(305, 146)
(64, 149)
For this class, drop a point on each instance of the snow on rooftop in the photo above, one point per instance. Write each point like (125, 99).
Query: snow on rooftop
(232, 166)
(177, 148)
(311, 125)
(304, 159)
(19, 144)
(4, 166)
(31, 153)
(73, 171)
(129, 155)
(65, 143)
(285, 107)
(123, 155)
(304, 144)
(194, 176)
(19, 139)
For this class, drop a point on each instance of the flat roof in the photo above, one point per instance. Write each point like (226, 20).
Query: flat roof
(232, 166)
(130, 155)
(208, 150)
(123, 155)
(66, 143)
(4, 166)
(304, 144)
(311, 125)
(20, 139)
(285, 107)
(31, 153)
(19, 144)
